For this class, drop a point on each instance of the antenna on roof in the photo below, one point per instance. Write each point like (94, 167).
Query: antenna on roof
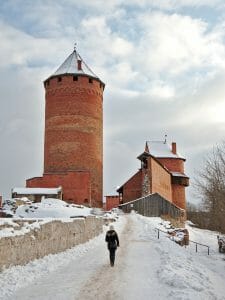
(165, 139)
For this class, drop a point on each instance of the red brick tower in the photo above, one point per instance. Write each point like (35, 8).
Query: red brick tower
(74, 125)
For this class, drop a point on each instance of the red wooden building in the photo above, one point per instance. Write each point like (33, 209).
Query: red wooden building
(162, 172)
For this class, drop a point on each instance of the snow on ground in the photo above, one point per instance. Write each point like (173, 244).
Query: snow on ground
(51, 208)
(18, 277)
(13, 227)
(36, 214)
(30, 216)
(146, 268)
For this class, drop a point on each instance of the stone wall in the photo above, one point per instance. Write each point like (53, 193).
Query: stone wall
(52, 237)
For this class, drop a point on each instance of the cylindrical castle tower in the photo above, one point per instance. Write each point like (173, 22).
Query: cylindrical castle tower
(74, 123)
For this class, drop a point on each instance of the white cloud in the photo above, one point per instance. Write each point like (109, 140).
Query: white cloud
(96, 31)
(20, 48)
(160, 89)
(175, 4)
(176, 43)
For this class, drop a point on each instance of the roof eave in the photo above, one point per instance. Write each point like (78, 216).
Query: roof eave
(171, 157)
(144, 154)
(75, 74)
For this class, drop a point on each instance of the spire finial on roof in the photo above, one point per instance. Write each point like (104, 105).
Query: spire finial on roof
(75, 46)
(165, 139)
(146, 147)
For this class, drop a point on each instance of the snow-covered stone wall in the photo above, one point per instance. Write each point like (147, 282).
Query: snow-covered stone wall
(46, 238)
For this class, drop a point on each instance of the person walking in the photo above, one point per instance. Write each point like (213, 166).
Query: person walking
(113, 242)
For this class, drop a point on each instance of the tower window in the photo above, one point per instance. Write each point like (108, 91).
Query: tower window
(145, 164)
(59, 79)
(47, 83)
(90, 80)
(75, 78)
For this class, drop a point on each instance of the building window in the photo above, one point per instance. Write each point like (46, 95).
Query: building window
(75, 78)
(90, 80)
(145, 164)
(59, 79)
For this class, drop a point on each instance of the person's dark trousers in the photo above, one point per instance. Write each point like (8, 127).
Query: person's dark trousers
(112, 253)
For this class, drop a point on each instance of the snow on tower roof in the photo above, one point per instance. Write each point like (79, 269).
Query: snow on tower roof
(160, 149)
(74, 64)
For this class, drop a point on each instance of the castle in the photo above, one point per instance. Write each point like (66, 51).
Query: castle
(73, 154)
(73, 145)
(162, 172)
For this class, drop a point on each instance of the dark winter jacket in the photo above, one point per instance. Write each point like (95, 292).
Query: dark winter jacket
(112, 239)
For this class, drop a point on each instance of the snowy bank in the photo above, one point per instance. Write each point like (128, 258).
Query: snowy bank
(146, 268)
(17, 277)
(52, 208)
(26, 241)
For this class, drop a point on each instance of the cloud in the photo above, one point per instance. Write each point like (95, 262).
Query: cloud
(175, 4)
(21, 49)
(160, 90)
(176, 43)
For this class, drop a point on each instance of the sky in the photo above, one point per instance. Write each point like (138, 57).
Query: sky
(163, 63)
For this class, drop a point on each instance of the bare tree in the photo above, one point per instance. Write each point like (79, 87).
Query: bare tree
(191, 207)
(210, 184)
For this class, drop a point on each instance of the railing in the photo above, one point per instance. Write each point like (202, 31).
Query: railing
(196, 243)
(196, 246)
(161, 231)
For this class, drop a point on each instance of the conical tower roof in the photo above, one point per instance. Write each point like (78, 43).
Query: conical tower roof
(74, 65)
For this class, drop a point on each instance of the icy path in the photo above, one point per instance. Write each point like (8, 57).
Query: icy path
(146, 268)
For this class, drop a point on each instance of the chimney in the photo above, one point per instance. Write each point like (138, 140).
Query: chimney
(79, 66)
(174, 148)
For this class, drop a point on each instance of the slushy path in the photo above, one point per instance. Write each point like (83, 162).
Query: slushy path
(145, 268)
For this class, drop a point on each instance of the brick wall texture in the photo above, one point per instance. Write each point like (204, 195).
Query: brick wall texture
(132, 189)
(112, 202)
(179, 195)
(76, 186)
(156, 178)
(172, 164)
(74, 137)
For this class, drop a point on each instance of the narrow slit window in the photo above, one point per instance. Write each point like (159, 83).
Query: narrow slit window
(59, 79)
(75, 78)
(90, 80)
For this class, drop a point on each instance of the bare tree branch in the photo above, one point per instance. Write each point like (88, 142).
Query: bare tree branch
(210, 187)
